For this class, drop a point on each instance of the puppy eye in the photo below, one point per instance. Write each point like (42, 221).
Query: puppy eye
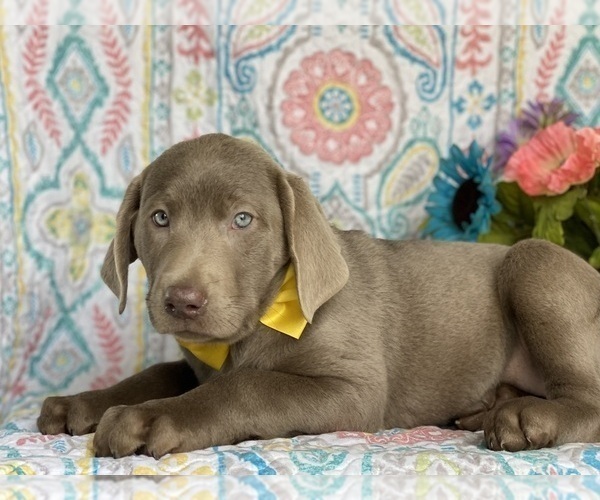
(242, 220)
(160, 218)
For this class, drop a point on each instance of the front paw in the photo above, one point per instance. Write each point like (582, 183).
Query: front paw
(492, 399)
(144, 428)
(527, 423)
(75, 415)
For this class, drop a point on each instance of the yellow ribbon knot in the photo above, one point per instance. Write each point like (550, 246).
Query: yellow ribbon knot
(284, 315)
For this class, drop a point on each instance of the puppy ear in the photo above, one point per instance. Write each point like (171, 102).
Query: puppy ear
(321, 271)
(121, 251)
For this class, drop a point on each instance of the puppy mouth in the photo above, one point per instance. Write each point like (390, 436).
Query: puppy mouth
(201, 330)
(195, 337)
(207, 328)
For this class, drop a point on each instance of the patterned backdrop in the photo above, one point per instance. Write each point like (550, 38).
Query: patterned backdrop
(362, 112)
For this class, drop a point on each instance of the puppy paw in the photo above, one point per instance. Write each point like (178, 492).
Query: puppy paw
(75, 415)
(472, 422)
(491, 400)
(144, 429)
(526, 423)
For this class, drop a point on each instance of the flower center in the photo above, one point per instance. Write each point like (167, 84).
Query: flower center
(465, 202)
(81, 227)
(75, 84)
(337, 106)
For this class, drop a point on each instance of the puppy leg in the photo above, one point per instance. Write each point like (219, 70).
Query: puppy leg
(552, 299)
(80, 414)
(234, 407)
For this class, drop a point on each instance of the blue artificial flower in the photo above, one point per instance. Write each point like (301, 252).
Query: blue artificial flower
(464, 197)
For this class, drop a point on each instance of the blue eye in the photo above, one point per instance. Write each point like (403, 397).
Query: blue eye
(242, 220)
(160, 218)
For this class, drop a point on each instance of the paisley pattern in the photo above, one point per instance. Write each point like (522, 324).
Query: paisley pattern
(363, 111)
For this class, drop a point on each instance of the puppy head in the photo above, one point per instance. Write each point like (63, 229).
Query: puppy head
(215, 222)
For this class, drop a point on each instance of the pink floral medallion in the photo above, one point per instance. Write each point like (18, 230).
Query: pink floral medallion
(337, 106)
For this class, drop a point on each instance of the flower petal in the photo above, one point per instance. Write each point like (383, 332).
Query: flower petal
(443, 187)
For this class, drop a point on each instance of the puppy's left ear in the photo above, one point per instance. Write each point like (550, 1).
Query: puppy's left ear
(321, 270)
(121, 251)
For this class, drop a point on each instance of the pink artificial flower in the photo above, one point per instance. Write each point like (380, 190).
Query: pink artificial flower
(555, 159)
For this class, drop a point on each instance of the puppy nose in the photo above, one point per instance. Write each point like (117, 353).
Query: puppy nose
(184, 302)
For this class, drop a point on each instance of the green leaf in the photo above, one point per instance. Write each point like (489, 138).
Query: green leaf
(588, 210)
(549, 228)
(515, 221)
(579, 238)
(594, 260)
(550, 211)
(503, 231)
(562, 205)
(515, 202)
(594, 185)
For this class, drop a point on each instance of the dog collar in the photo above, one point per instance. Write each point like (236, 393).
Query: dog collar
(284, 315)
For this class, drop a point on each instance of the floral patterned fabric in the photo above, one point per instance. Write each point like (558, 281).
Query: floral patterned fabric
(362, 112)
(419, 451)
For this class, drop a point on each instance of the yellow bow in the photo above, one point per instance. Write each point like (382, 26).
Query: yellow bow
(284, 315)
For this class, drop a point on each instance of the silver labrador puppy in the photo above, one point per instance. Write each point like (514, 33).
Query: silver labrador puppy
(399, 334)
